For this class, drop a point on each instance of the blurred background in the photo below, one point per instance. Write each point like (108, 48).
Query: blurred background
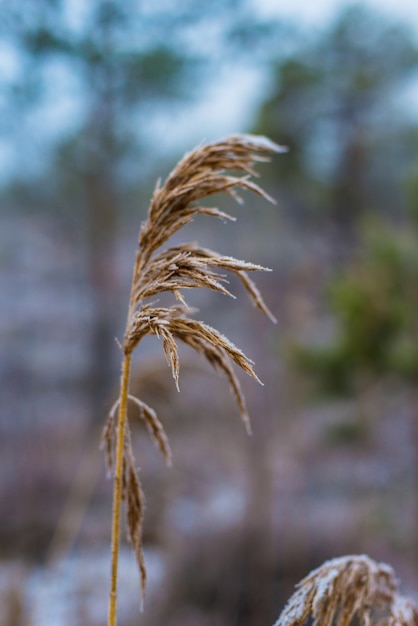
(98, 99)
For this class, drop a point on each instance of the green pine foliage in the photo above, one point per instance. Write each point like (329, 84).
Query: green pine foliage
(374, 303)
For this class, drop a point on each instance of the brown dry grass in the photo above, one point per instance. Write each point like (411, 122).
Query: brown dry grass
(349, 590)
(201, 173)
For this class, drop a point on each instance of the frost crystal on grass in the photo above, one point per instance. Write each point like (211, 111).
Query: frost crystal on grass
(206, 171)
(348, 590)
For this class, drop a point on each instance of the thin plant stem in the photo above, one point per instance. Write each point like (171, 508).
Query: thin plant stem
(119, 464)
(117, 490)
(201, 173)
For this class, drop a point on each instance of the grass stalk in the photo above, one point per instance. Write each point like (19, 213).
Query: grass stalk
(158, 268)
(117, 488)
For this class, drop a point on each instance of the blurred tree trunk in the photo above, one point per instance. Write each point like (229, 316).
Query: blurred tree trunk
(349, 191)
(259, 547)
(102, 226)
(100, 157)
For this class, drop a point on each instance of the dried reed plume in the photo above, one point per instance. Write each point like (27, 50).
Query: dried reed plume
(201, 173)
(349, 590)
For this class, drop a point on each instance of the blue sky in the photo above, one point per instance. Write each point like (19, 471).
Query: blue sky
(318, 11)
(229, 104)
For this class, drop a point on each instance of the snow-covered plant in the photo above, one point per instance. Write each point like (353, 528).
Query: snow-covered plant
(349, 590)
